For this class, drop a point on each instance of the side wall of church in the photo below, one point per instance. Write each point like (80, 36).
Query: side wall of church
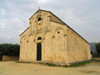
(78, 48)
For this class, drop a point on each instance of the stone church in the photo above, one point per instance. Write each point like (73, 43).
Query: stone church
(49, 40)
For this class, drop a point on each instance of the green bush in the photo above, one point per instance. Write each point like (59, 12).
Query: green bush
(10, 49)
(98, 47)
(94, 54)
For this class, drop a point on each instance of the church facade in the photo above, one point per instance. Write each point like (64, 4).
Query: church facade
(49, 39)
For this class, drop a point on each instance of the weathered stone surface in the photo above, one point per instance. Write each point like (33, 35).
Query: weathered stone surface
(59, 43)
(9, 58)
(67, 64)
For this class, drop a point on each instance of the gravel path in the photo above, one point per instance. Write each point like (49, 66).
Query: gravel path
(13, 68)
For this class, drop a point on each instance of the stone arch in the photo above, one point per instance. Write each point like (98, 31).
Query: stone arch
(60, 28)
(30, 48)
(38, 16)
(59, 49)
(47, 31)
(22, 37)
(48, 46)
(38, 22)
(30, 35)
(37, 33)
(23, 49)
(37, 36)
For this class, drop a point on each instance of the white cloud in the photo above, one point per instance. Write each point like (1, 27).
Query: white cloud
(83, 18)
(3, 12)
(3, 25)
(69, 17)
(43, 1)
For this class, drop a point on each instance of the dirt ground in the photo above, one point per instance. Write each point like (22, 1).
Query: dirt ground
(13, 68)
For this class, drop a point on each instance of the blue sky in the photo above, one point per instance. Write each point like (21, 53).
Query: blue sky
(81, 15)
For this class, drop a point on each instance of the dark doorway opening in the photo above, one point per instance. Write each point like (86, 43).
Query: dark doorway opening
(39, 51)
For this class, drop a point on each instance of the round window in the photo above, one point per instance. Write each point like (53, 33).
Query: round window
(58, 32)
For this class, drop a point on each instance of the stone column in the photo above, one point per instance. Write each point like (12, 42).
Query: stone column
(43, 49)
(66, 52)
(66, 45)
(27, 48)
(34, 48)
(53, 44)
(35, 51)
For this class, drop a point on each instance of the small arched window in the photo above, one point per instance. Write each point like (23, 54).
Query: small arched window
(39, 38)
(39, 19)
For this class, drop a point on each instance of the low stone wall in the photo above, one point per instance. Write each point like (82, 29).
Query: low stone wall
(9, 58)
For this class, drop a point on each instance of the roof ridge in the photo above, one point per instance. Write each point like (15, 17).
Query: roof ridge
(39, 10)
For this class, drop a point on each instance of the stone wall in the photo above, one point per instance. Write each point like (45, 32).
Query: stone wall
(78, 48)
(9, 58)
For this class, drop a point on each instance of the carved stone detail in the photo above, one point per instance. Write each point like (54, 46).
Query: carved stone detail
(44, 38)
(34, 40)
(27, 41)
(65, 35)
(53, 36)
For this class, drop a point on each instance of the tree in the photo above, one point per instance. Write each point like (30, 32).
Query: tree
(10, 49)
(98, 47)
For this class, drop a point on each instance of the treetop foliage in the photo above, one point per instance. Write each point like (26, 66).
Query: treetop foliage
(10, 49)
(98, 47)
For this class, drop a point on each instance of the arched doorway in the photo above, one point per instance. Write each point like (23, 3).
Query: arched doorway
(39, 51)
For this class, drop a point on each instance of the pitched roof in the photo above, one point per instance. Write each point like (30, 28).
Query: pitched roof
(59, 19)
